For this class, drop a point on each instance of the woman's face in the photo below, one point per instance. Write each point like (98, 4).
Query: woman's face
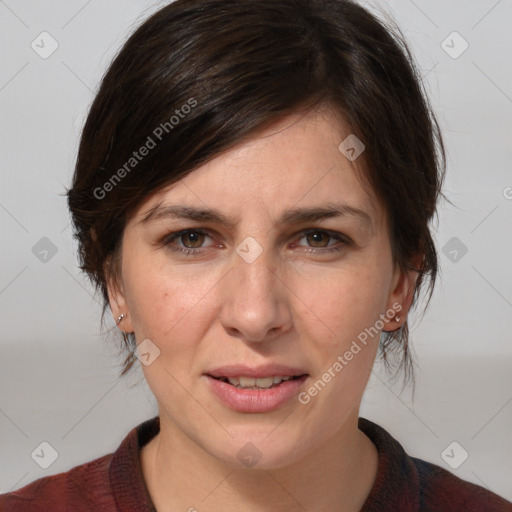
(271, 286)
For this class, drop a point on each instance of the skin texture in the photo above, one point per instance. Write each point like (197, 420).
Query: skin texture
(288, 306)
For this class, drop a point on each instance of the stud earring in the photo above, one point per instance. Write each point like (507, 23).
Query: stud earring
(397, 319)
(120, 318)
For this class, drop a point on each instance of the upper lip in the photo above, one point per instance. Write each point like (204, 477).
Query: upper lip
(267, 370)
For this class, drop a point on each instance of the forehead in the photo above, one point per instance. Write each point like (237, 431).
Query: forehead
(294, 164)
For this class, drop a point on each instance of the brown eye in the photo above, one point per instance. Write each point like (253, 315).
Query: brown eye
(188, 242)
(192, 239)
(321, 242)
(318, 237)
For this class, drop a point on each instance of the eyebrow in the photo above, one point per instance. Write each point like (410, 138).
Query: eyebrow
(290, 216)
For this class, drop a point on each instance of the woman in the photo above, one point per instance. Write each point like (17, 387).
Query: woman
(252, 196)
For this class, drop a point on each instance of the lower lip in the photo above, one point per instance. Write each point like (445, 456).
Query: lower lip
(255, 400)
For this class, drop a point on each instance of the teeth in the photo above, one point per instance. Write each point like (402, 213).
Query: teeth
(250, 382)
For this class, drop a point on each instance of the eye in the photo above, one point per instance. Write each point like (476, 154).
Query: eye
(319, 238)
(192, 240)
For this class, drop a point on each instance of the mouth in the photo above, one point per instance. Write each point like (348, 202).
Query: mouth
(250, 389)
(261, 383)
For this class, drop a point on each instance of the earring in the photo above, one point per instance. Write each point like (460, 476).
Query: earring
(397, 319)
(120, 318)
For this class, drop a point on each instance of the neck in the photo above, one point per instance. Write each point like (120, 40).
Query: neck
(338, 476)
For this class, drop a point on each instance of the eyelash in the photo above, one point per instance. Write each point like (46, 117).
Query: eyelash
(170, 238)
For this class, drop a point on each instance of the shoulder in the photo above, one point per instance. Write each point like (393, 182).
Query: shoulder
(82, 488)
(409, 484)
(441, 491)
(111, 482)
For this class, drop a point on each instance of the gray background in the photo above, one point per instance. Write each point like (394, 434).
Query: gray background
(58, 375)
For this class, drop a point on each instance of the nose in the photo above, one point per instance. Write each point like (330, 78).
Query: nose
(255, 306)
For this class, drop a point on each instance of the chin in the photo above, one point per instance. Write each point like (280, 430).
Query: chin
(257, 450)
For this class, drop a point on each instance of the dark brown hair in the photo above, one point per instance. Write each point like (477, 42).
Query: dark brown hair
(201, 76)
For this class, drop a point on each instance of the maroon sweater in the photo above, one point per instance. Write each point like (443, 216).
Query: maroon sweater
(114, 483)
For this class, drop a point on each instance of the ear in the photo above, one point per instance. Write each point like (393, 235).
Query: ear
(116, 297)
(402, 291)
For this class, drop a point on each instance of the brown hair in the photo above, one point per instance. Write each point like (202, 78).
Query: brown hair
(201, 76)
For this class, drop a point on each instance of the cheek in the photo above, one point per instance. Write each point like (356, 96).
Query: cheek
(344, 302)
(165, 302)
(343, 340)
